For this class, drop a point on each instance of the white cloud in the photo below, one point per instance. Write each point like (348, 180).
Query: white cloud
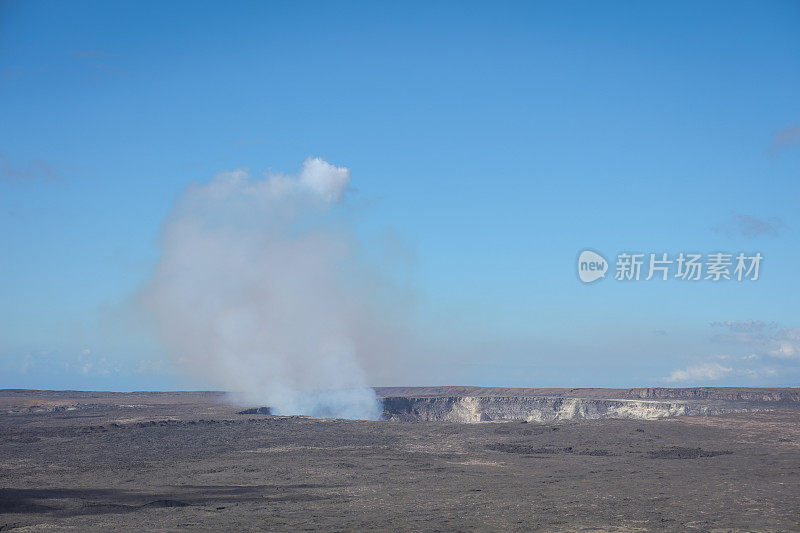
(746, 326)
(85, 362)
(783, 343)
(785, 138)
(701, 372)
(749, 226)
(786, 344)
(150, 366)
(35, 170)
(318, 180)
(714, 371)
(771, 353)
(324, 179)
(760, 372)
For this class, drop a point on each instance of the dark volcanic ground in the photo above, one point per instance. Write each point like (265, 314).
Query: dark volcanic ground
(174, 461)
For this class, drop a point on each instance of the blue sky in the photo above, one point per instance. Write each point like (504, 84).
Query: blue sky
(495, 141)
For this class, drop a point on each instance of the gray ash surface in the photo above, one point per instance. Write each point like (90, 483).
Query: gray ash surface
(187, 461)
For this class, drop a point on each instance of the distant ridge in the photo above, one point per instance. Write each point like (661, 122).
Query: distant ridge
(745, 394)
(748, 394)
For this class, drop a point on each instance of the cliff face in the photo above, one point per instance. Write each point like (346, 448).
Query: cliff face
(734, 394)
(538, 409)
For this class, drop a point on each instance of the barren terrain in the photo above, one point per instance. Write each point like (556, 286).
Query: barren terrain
(98, 461)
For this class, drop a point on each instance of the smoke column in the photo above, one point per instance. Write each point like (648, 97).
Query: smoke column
(257, 288)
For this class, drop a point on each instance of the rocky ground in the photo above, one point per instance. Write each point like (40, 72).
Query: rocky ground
(188, 461)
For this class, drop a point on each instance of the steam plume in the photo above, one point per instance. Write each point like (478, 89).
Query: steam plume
(257, 288)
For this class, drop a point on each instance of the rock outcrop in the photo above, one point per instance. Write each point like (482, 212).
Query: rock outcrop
(543, 409)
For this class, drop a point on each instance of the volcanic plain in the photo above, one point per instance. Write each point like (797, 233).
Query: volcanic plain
(92, 461)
